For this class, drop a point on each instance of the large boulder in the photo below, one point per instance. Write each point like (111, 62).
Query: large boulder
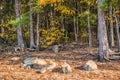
(90, 65)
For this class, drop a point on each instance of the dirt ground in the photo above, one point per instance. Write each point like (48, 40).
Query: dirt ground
(10, 70)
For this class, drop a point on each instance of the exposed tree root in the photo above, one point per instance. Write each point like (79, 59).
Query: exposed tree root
(111, 55)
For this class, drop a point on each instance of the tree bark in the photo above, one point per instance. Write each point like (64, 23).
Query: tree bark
(32, 44)
(117, 31)
(89, 31)
(75, 32)
(1, 17)
(111, 27)
(0, 11)
(37, 27)
(19, 30)
(102, 33)
(62, 21)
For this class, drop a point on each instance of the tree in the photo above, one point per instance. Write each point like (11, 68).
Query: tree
(37, 31)
(1, 18)
(102, 33)
(19, 30)
(32, 44)
(111, 26)
(117, 29)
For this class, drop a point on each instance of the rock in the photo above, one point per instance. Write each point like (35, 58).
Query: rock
(36, 66)
(28, 66)
(66, 68)
(51, 66)
(28, 62)
(42, 70)
(90, 66)
(39, 61)
(55, 48)
(15, 58)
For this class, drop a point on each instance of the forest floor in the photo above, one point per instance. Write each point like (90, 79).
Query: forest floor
(10, 70)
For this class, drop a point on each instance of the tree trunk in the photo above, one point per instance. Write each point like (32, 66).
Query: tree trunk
(32, 44)
(37, 27)
(51, 17)
(75, 32)
(89, 30)
(117, 31)
(112, 43)
(102, 33)
(0, 12)
(1, 17)
(19, 30)
(62, 21)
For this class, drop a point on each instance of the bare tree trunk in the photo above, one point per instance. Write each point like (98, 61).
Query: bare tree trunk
(0, 11)
(75, 32)
(89, 30)
(77, 21)
(37, 27)
(111, 27)
(62, 21)
(19, 30)
(1, 17)
(117, 31)
(102, 33)
(32, 44)
(51, 17)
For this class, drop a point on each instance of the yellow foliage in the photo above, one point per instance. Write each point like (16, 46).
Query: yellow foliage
(48, 37)
(84, 35)
(45, 2)
(110, 19)
(65, 10)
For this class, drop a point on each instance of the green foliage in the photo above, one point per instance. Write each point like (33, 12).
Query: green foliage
(50, 36)
(22, 21)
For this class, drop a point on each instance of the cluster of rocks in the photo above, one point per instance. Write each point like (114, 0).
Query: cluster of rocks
(43, 65)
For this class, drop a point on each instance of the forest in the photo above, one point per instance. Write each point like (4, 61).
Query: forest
(59, 39)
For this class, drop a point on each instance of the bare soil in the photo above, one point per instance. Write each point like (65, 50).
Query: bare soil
(10, 70)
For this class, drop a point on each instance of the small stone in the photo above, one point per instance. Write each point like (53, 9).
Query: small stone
(15, 58)
(55, 48)
(42, 70)
(90, 66)
(66, 68)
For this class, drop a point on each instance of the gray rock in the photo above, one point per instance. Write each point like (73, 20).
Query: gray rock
(90, 66)
(28, 66)
(55, 48)
(29, 60)
(66, 69)
(42, 70)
